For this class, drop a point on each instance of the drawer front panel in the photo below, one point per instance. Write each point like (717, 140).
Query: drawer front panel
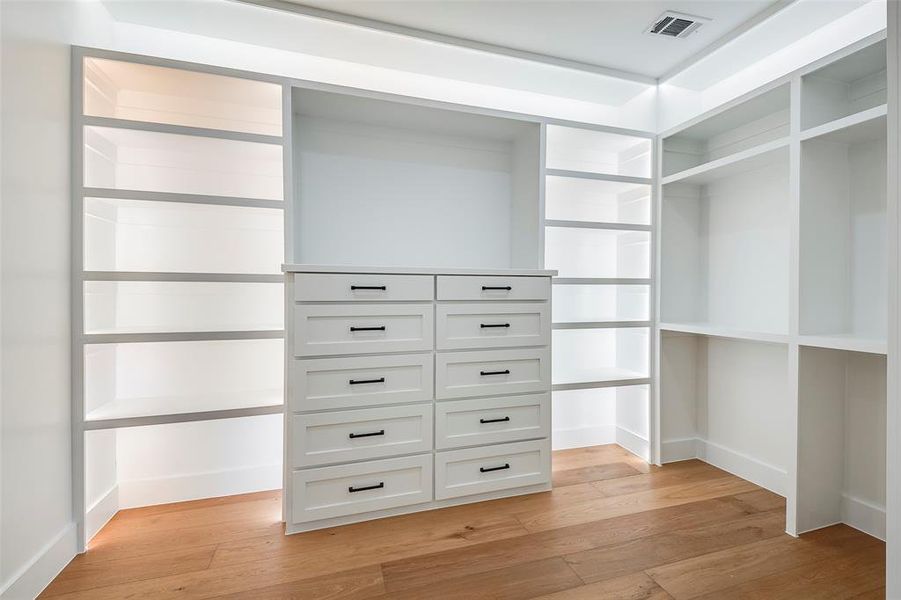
(480, 470)
(362, 487)
(492, 372)
(473, 287)
(492, 420)
(485, 325)
(322, 330)
(330, 383)
(328, 287)
(328, 438)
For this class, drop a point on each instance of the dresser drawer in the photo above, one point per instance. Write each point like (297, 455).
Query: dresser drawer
(325, 287)
(490, 325)
(474, 287)
(492, 420)
(326, 329)
(359, 381)
(492, 468)
(361, 487)
(328, 438)
(492, 372)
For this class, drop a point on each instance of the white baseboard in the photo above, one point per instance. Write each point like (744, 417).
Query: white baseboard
(678, 450)
(36, 574)
(101, 512)
(634, 443)
(863, 515)
(147, 492)
(758, 472)
(747, 467)
(564, 439)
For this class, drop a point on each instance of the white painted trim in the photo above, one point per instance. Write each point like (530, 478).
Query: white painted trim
(193, 486)
(634, 443)
(678, 450)
(439, 271)
(100, 513)
(35, 575)
(747, 467)
(451, 40)
(864, 515)
(597, 435)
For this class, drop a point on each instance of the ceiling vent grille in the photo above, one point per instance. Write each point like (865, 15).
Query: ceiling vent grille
(676, 25)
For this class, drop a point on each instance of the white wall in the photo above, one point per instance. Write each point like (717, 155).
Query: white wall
(37, 536)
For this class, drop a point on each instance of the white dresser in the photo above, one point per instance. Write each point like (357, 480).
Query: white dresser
(412, 389)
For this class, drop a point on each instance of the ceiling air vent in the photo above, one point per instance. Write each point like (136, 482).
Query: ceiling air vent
(676, 25)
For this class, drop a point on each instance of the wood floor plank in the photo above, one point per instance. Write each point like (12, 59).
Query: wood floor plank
(836, 562)
(646, 553)
(690, 524)
(378, 541)
(355, 584)
(672, 474)
(615, 470)
(521, 581)
(422, 568)
(637, 586)
(717, 571)
(78, 576)
(608, 507)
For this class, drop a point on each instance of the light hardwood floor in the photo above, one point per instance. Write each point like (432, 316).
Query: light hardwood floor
(613, 528)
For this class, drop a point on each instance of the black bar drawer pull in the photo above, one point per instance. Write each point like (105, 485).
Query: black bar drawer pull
(354, 436)
(359, 381)
(504, 372)
(379, 328)
(486, 288)
(487, 325)
(378, 486)
(490, 469)
(501, 420)
(354, 288)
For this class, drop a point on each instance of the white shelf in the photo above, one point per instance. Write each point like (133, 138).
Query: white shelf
(178, 276)
(610, 378)
(117, 194)
(602, 281)
(167, 128)
(725, 332)
(181, 336)
(740, 162)
(862, 126)
(600, 324)
(133, 412)
(849, 342)
(156, 94)
(598, 176)
(597, 225)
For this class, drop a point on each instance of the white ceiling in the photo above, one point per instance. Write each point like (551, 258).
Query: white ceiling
(604, 33)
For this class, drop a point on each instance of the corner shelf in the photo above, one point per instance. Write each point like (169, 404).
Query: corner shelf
(740, 162)
(861, 126)
(707, 329)
(848, 342)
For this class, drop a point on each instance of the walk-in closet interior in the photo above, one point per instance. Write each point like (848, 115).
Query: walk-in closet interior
(381, 296)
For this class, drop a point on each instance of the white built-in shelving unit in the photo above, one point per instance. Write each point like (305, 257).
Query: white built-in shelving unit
(598, 235)
(178, 229)
(192, 185)
(772, 303)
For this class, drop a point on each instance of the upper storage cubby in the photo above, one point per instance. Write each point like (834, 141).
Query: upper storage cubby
(848, 86)
(140, 92)
(150, 161)
(597, 152)
(843, 242)
(759, 125)
(592, 200)
(382, 182)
